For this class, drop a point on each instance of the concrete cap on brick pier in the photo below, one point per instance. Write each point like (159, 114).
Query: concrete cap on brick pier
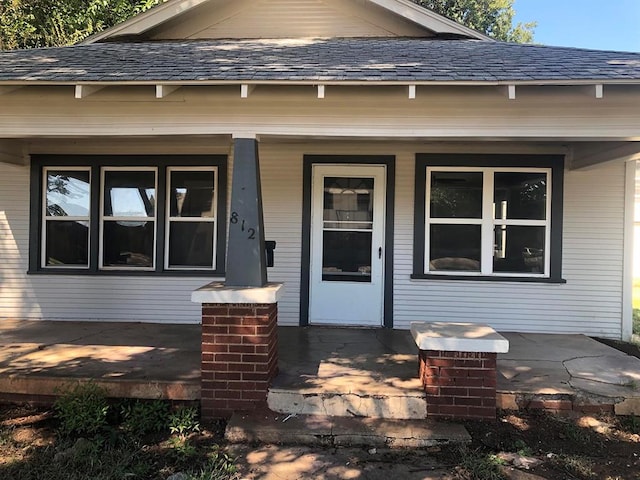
(458, 337)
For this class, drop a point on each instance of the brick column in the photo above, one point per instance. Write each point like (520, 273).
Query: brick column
(239, 356)
(459, 384)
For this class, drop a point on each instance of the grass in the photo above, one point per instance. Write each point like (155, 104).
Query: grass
(580, 467)
(480, 466)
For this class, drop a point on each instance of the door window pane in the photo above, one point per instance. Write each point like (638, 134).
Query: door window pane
(192, 194)
(346, 254)
(129, 193)
(456, 195)
(455, 248)
(348, 203)
(519, 249)
(191, 244)
(520, 195)
(67, 243)
(128, 244)
(68, 193)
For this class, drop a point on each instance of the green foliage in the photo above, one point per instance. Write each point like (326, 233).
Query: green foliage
(491, 17)
(481, 466)
(142, 417)
(184, 421)
(82, 409)
(219, 467)
(636, 321)
(52, 23)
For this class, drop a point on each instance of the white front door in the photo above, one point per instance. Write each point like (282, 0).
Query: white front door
(347, 245)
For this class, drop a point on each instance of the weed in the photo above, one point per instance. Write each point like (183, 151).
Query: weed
(575, 465)
(182, 447)
(219, 467)
(522, 449)
(480, 466)
(140, 418)
(630, 424)
(82, 409)
(636, 321)
(184, 421)
(576, 434)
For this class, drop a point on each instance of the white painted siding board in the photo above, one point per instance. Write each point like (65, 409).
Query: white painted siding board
(590, 301)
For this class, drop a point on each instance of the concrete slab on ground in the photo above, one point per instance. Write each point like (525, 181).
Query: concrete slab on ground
(271, 427)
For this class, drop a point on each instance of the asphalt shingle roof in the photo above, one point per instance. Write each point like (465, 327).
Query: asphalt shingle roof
(403, 60)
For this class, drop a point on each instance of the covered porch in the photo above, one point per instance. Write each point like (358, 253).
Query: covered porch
(371, 372)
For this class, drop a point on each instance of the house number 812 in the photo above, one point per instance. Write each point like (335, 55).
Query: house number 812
(235, 220)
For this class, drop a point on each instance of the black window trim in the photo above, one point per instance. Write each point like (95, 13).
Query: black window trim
(96, 162)
(553, 162)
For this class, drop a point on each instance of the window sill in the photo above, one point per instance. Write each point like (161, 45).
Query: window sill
(486, 278)
(127, 273)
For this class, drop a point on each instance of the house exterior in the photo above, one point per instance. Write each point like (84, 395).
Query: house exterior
(410, 169)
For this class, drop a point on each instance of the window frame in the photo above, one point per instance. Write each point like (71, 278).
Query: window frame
(489, 164)
(96, 164)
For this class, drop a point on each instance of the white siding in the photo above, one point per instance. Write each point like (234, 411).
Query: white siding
(590, 302)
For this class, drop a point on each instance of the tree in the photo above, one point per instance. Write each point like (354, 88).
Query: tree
(46, 23)
(492, 17)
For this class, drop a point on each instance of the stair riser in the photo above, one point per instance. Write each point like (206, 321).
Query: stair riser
(405, 407)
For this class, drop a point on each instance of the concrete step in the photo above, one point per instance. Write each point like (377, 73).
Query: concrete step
(374, 402)
(270, 427)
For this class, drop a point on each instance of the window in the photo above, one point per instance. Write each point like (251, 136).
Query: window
(103, 214)
(490, 217)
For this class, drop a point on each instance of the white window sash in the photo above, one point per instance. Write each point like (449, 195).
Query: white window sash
(53, 218)
(170, 219)
(107, 218)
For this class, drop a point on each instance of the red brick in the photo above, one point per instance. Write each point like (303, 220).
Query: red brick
(255, 358)
(256, 321)
(243, 330)
(228, 339)
(242, 310)
(432, 390)
(454, 372)
(256, 376)
(452, 410)
(241, 385)
(254, 395)
(440, 362)
(489, 402)
(214, 385)
(229, 394)
(215, 329)
(454, 391)
(482, 412)
(242, 367)
(229, 376)
(228, 357)
(214, 348)
(245, 405)
(243, 348)
(469, 401)
(439, 400)
(214, 309)
(599, 408)
(206, 357)
(490, 381)
(214, 367)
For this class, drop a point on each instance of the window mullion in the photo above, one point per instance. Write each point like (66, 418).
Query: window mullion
(486, 264)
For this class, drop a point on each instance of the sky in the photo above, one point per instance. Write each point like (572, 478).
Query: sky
(598, 24)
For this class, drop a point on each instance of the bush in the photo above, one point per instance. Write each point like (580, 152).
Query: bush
(82, 409)
(636, 321)
(142, 417)
(184, 421)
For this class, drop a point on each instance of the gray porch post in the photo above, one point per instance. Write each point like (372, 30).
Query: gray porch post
(240, 316)
(246, 258)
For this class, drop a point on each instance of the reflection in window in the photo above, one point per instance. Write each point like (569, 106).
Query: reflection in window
(487, 221)
(347, 229)
(128, 218)
(192, 221)
(66, 218)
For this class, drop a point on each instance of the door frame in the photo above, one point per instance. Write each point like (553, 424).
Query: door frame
(364, 160)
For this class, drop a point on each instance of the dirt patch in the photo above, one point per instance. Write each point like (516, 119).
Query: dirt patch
(626, 347)
(529, 445)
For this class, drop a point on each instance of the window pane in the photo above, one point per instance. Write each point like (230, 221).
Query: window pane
(192, 194)
(67, 243)
(346, 254)
(456, 195)
(520, 196)
(191, 244)
(129, 193)
(454, 248)
(348, 202)
(519, 249)
(128, 244)
(68, 193)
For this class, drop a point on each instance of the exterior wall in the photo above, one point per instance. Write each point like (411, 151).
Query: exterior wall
(590, 301)
(287, 19)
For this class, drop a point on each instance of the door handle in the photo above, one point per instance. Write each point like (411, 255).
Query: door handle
(380, 252)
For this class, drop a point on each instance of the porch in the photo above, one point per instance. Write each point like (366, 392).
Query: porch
(321, 369)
